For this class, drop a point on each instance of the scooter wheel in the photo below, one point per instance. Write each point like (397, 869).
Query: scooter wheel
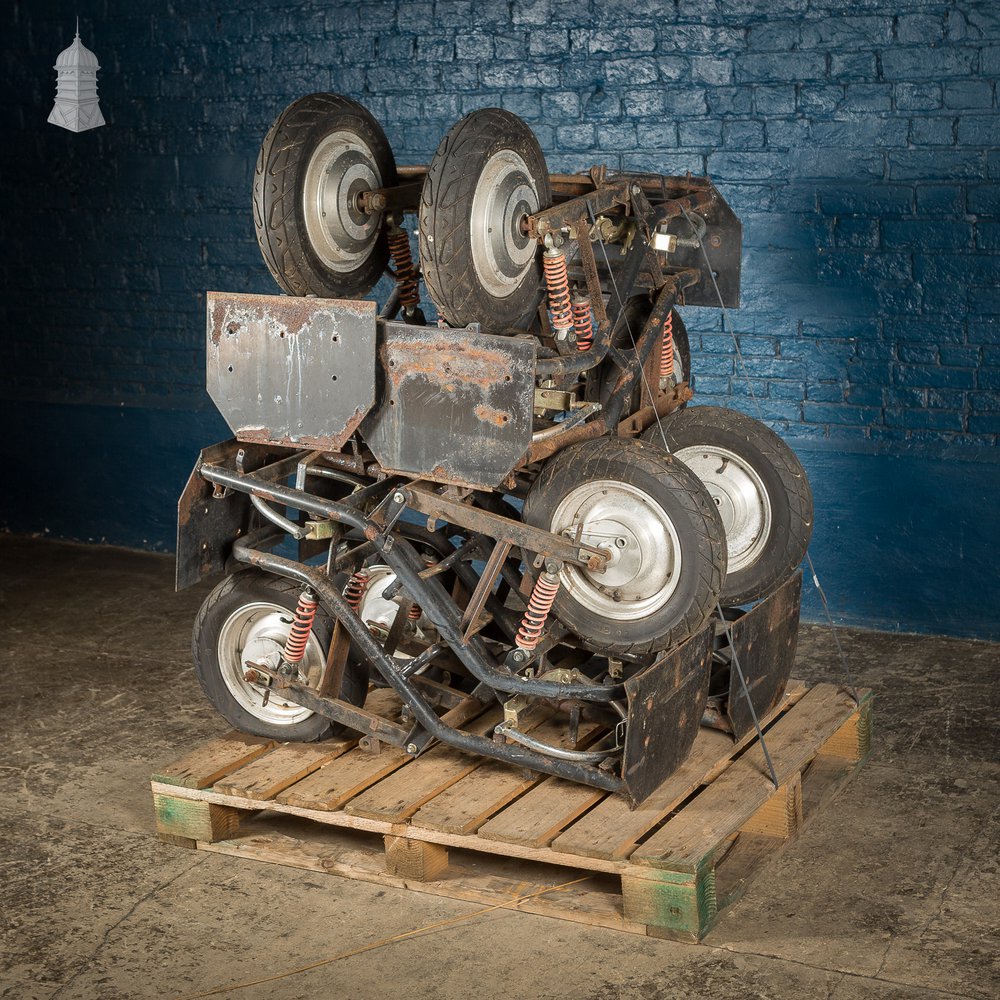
(663, 536)
(478, 263)
(758, 485)
(320, 155)
(248, 617)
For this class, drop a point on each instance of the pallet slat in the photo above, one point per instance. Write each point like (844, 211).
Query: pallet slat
(272, 772)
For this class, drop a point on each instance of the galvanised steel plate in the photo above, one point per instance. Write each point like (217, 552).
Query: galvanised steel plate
(290, 371)
(454, 406)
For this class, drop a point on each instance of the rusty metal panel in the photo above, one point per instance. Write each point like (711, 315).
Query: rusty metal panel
(764, 639)
(207, 526)
(665, 705)
(723, 244)
(454, 406)
(290, 371)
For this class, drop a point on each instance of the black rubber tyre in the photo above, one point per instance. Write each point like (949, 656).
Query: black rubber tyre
(759, 486)
(226, 619)
(486, 175)
(665, 580)
(630, 325)
(319, 154)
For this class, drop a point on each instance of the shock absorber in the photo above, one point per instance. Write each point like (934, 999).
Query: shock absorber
(298, 635)
(557, 285)
(355, 589)
(583, 323)
(407, 279)
(667, 347)
(539, 605)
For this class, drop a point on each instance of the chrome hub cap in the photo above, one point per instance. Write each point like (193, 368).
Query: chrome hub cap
(257, 632)
(341, 169)
(501, 251)
(739, 494)
(644, 563)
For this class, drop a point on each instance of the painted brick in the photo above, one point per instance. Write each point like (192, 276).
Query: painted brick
(775, 100)
(752, 67)
(935, 377)
(918, 353)
(743, 134)
(841, 413)
(984, 401)
(922, 96)
(852, 232)
(859, 97)
(962, 94)
(984, 423)
(847, 66)
(831, 392)
(923, 62)
(942, 420)
(920, 234)
(932, 131)
(988, 236)
(710, 69)
(549, 42)
(695, 132)
(940, 199)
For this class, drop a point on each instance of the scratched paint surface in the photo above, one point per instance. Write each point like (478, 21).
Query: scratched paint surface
(289, 370)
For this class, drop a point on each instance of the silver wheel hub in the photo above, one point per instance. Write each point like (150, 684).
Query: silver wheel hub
(739, 494)
(501, 252)
(341, 169)
(644, 564)
(256, 633)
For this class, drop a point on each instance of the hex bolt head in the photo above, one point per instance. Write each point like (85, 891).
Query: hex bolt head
(411, 748)
(398, 497)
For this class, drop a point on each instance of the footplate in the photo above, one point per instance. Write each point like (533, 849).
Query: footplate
(665, 705)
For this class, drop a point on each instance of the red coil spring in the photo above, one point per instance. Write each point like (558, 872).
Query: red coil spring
(355, 589)
(583, 323)
(298, 635)
(667, 347)
(539, 604)
(406, 273)
(557, 284)
(414, 612)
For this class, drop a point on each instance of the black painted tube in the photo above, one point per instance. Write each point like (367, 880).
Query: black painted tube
(422, 712)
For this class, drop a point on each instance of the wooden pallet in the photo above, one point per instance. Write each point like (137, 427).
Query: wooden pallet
(461, 826)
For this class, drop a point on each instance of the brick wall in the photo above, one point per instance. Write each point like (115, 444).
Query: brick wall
(857, 141)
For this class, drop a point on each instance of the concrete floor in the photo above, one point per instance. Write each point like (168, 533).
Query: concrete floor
(891, 893)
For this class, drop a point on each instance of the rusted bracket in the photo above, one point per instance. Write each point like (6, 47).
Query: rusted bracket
(496, 526)
(569, 214)
(334, 708)
(483, 588)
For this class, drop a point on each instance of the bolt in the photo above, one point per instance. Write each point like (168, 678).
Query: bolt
(621, 542)
(398, 497)
(520, 655)
(616, 595)
(636, 190)
(411, 748)
(715, 241)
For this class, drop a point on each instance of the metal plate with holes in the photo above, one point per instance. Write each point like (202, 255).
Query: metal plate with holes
(723, 245)
(454, 406)
(291, 371)
(665, 705)
(764, 639)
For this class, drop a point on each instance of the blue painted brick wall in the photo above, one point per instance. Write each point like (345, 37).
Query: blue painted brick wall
(857, 141)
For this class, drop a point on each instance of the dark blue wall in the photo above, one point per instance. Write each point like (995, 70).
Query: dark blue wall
(859, 146)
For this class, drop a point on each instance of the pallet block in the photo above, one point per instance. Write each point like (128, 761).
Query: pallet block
(469, 828)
